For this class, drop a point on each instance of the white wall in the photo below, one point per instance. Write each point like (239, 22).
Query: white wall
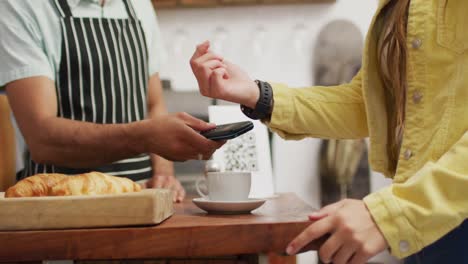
(272, 43)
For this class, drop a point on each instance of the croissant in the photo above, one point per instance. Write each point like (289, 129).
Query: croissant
(93, 183)
(37, 185)
(62, 185)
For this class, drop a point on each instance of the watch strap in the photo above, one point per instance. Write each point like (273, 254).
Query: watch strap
(263, 108)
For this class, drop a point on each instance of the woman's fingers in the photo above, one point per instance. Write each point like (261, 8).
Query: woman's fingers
(203, 62)
(221, 73)
(325, 211)
(330, 247)
(315, 216)
(344, 254)
(203, 68)
(354, 236)
(313, 232)
(200, 50)
(360, 258)
(214, 64)
(199, 62)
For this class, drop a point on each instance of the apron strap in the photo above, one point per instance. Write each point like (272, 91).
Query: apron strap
(63, 8)
(130, 10)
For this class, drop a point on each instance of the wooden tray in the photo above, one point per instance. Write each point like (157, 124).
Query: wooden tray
(147, 207)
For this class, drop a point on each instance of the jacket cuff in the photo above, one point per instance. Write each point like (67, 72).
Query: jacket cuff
(281, 109)
(401, 237)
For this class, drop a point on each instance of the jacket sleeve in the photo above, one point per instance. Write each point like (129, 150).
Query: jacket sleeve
(413, 214)
(323, 112)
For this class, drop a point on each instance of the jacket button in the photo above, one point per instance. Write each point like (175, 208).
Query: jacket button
(417, 97)
(408, 154)
(417, 43)
(404, 246)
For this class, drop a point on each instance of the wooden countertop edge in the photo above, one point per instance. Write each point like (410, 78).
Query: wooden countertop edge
(168, 240)
(135, 244)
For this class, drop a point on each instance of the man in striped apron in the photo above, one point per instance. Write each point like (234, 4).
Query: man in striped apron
(103, 112)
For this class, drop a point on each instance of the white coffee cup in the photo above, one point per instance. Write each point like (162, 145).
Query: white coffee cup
(226, 186)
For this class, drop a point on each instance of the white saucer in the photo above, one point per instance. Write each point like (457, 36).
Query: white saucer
(224, 207)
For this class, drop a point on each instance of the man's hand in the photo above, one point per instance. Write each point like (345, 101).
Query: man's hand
(354, 237)
(176, 137)
(220, 79)
(76, 144)
(168, 182)
(164, 177)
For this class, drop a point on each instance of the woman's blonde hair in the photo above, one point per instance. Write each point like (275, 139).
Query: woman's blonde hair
(392, 58)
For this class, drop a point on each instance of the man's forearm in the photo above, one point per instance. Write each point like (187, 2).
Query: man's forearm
(161, 166)
(157, 106)
(78, 144)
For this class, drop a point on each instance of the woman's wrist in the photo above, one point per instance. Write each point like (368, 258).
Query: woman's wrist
(262, 107)
(252, 97)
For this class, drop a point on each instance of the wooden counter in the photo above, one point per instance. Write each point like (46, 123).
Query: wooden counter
(190, 233)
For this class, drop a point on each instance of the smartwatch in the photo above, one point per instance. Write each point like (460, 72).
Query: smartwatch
(264, 106)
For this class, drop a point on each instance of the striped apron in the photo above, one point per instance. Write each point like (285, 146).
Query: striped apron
(103, 79)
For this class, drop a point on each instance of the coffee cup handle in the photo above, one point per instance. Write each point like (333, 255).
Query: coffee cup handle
(197, 185)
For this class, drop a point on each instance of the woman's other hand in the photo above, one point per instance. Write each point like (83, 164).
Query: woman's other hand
(220, 79)
(354, 237)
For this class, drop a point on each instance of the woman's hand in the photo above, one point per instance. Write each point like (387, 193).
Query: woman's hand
(220, 79)
(354, 237)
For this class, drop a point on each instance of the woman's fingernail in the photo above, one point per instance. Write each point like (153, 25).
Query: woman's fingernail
(315, 215)
(290, 250)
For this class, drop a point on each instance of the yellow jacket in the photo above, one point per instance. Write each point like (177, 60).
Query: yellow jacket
(429, 194)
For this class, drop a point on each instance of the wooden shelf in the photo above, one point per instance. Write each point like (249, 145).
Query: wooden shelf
(216, 3)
